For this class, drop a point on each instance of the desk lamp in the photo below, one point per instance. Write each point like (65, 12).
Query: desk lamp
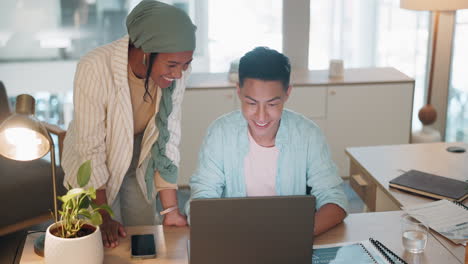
(24, 138)
(427, 115)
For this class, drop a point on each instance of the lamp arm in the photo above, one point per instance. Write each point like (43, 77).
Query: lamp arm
(54, 178)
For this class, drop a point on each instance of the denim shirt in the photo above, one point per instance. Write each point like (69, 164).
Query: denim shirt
(304, 160)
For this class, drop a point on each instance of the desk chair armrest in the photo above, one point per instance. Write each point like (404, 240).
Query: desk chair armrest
(60, 133)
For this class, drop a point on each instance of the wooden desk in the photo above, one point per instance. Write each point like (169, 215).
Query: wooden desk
(372, 168)
(171, 242)
(171, 247)
(385, 227)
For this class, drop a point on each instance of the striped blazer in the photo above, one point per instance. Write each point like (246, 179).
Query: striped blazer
(102, 126)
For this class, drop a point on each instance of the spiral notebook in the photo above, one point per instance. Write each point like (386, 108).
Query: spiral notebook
(365, 252)
(449, 219)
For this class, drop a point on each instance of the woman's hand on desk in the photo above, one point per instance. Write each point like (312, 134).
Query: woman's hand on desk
(175, 218)
(110, 231)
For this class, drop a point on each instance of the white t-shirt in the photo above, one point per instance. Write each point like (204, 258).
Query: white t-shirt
(260, 168)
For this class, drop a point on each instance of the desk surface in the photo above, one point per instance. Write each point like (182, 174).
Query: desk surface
(171, 242)
(384, 163)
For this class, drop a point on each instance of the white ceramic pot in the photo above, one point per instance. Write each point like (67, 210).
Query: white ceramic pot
(87, 249)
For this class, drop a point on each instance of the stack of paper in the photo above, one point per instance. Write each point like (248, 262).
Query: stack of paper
(446, 218)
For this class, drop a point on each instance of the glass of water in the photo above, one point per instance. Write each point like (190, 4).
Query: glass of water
(414, 233)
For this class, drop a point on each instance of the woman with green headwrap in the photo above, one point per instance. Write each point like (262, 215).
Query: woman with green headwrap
(127, 111)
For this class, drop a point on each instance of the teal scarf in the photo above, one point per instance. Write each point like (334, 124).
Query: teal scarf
(159, 161)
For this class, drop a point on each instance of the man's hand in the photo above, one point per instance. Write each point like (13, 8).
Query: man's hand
(175, 218)
(111, 230)
(328, 216)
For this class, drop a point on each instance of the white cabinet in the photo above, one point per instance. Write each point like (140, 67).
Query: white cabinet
(357, 114)
(367, 115)
(367, 107)
(200, 108)
(311, 102)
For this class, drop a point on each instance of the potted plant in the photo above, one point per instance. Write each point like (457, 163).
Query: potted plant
(76, 237)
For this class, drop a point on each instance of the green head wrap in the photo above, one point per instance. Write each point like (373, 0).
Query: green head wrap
(158, 27)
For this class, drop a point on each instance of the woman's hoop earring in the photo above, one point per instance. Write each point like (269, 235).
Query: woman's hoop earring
(144, 59)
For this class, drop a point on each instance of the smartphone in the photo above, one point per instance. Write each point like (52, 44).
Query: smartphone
(143, 246)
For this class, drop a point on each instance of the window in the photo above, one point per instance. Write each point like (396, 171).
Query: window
(236, 27)
(39, 30)
(371, 34)
(45, 30)
(457, 110)
(41, 40)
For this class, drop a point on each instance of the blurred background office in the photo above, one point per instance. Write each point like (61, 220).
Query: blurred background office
(41, 41)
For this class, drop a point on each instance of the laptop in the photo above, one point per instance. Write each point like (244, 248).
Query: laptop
(274, 229)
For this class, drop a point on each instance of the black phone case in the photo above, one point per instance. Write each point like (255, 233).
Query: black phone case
(143, 246)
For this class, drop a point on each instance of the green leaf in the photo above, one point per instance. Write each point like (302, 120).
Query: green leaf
(85, 203)
(85, 213)
(84, 173)
(96, 218)
(71, 194)
(77, 201)
(107, 208)
(91, 192)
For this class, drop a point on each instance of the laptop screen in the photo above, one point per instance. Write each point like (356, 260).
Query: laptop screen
(274, 229)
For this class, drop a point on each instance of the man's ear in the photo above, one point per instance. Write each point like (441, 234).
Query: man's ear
(288, 92)
(238, 89)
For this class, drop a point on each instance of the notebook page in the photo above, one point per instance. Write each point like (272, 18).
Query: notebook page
(343, 253)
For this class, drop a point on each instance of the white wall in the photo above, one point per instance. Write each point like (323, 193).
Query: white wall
(32, 77)
(296, 32)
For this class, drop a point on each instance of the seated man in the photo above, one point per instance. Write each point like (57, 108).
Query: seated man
(266, 150)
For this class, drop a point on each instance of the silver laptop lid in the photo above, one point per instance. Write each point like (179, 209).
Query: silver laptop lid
(275, 229)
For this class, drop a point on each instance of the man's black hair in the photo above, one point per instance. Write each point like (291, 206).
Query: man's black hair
(265, 64)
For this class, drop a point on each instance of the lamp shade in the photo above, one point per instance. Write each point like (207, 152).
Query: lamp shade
(434, 5)
(22, 136)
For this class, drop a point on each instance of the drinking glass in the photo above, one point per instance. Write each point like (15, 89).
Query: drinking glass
(414, 233)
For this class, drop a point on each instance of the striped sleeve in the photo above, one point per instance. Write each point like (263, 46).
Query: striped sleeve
(88, 141)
